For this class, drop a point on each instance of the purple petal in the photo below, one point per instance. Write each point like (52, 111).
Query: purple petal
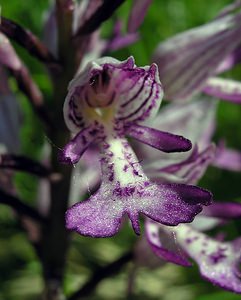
(8, 56)
(230, 61)
(163, 244)
(202, 49)
(218, 261)
(73, 151)
(227, 159)
(225, 89)
(223, 210)
(137, 15)
(188, 171)
(160, 140)
(194, 120)
(101, 214)
(119, 40)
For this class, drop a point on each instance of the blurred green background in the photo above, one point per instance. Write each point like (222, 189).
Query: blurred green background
(20, 272)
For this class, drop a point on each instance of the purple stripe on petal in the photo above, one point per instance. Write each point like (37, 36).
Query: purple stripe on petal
(73, 151)
(137, 93)
(202, 49)
(161, 140)
(225, 89)
(230, 61)
(142, 102)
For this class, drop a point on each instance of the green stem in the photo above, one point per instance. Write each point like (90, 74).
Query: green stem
(55, 239)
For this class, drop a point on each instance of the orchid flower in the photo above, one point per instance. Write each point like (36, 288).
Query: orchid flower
(218, 260)
(106, 102)
(199, 55)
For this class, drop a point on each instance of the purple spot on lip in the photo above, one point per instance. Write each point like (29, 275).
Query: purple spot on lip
(111, 177)
(217, 257)
(136, 173)
(188, 241)
(125, 168)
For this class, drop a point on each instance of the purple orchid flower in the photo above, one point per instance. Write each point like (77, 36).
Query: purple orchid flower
(218, 260)
(107, 101)
(206, 51)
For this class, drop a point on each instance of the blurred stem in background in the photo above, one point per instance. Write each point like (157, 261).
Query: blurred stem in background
(55, 236)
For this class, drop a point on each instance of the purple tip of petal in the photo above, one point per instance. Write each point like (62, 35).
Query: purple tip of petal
(176, 203)
(130, 62)
(153, 69)
(193, 194)
(161, 140)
